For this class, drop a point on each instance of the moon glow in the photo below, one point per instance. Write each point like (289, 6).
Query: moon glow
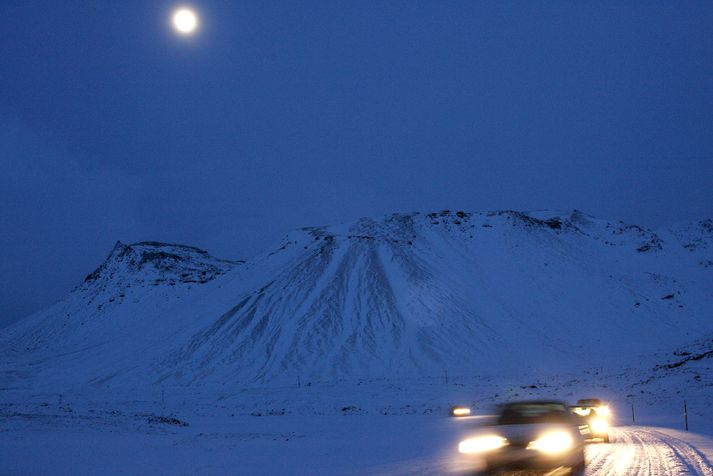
(185, 21)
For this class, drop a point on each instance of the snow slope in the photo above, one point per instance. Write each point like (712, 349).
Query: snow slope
(407, 295)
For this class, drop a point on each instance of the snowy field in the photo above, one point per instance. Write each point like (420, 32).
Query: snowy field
(348, 428)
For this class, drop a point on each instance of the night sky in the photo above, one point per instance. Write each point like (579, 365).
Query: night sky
(277, 115)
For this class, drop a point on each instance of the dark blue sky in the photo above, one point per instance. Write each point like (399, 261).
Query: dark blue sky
(285, 114)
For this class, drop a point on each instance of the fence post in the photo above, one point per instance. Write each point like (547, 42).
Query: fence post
(685, 414)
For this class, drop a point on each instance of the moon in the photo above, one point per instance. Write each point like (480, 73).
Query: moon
(185, 21)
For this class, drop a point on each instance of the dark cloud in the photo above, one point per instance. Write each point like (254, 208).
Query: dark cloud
(58, 218)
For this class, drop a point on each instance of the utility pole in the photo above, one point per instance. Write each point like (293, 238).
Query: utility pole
(633, 415)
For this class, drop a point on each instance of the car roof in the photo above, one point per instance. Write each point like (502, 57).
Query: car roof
(589, 401)
(535, 402)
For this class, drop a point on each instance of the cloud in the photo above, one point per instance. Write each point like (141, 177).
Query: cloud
(58, 217)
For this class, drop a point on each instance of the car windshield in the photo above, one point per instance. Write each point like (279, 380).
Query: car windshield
(524, 413)
(583, 410)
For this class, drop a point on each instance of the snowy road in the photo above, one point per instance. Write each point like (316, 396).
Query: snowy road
(634, 451)
(74, 444)
(644, 451)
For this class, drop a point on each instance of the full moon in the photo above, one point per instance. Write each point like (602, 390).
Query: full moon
(185, 21)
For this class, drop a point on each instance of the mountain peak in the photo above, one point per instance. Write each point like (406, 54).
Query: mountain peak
(157, 263)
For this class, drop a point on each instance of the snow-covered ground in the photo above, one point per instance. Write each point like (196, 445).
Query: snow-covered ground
(377, 426)
(363, 427)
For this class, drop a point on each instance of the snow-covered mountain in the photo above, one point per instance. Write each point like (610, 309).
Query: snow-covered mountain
(402, 296)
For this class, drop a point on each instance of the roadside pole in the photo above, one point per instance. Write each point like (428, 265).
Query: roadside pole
(685, 414)
(633, 415)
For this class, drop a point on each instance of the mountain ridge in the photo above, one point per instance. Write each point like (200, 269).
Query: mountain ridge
(407, 295)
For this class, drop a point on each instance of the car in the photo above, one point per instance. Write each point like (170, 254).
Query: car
(593, 415)
(532, 434)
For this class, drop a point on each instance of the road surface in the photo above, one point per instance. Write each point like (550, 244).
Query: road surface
(633, 451)
(645, 451)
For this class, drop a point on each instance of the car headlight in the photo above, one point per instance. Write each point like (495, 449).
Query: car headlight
(481, 444)
(599, 425)
(603, 411)
(460, 411)
(552, 443)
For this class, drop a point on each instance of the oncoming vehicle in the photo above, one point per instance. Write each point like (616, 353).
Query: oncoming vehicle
(536, 434)
(593, 416)
(459, 411)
